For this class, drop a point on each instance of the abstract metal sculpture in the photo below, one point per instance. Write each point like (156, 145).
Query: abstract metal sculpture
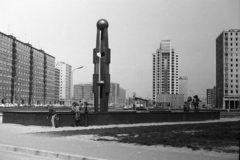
(101, 61)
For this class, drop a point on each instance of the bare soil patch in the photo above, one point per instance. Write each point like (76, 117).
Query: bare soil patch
(220, 136)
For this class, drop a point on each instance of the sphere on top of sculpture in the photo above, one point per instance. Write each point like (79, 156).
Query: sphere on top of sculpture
(102, 23)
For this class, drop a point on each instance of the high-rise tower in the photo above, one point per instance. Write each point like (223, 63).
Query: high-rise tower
(65, 82)
(228, 69)
(165, 70)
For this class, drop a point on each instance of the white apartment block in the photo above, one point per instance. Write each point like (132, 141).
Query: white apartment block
(114, 93)
(65, 82)
(228, 69)
(165, 71)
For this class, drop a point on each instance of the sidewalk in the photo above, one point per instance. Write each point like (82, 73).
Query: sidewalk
(20, 138)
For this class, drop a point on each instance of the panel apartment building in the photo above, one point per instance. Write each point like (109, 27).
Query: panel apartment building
(57, 86)
(228, 69)
(26, 73)
(65, 82)
(165, 71)
(211, 96)
(83, 92)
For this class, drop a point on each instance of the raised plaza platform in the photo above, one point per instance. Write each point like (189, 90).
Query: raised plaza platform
(131, 117)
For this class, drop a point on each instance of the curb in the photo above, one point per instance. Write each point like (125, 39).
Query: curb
(43, 153)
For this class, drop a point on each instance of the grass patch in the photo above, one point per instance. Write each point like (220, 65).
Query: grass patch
(222, 136)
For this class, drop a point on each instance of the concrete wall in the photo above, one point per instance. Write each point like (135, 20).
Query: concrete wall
(67, 118)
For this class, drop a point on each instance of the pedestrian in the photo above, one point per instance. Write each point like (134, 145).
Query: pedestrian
(52, 112)
(189, 101)
(185, 107)
(85, 114)
(196, 103)
(76, 110)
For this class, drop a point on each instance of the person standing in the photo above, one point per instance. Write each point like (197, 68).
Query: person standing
(189, 101)
(196, 103)
(85, 114)
(185, 107)
(52, 112)
(75, 109)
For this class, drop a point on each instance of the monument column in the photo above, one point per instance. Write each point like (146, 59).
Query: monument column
(101, 76)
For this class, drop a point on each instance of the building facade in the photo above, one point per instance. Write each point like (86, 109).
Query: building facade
(211, 97)
(23, 71)
(170, 100)
(65, 82)
(122, 97)
(228, 69)
(183, 86)
(83, 92)
(57, 86)
(114, 94)
(165, 71)
(6, 55)
(78, 92)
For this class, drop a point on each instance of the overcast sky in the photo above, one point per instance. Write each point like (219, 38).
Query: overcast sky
(66, 29)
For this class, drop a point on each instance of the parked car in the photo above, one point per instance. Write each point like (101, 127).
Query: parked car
(14, 105)
(45, 105)
(127, 108)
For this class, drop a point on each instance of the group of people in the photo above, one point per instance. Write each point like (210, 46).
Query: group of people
(80, 113)
(191, 102)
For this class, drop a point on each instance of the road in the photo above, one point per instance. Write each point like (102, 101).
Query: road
(4, 155)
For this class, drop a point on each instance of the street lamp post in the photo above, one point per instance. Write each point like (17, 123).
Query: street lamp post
(72, 79)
